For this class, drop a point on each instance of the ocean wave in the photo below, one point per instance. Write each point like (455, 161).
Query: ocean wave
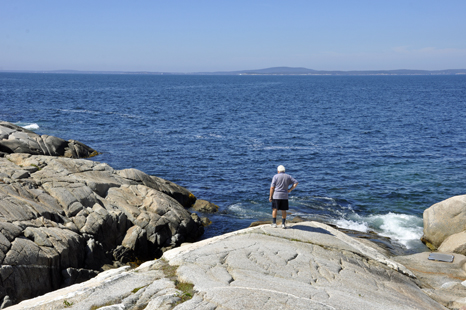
(402, 228)
(240, 210)
(29, 126)
(353, 225)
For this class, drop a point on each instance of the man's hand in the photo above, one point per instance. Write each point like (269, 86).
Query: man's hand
(292, 187)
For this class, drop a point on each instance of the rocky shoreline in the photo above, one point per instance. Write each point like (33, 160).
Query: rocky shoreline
(74, 232)
(65, 219)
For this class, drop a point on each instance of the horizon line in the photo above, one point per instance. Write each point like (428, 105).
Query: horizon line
(282, 70)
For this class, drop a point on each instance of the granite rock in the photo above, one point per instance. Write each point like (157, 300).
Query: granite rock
(62, 219)
(444, 219)
(307, 266)
(445, 225)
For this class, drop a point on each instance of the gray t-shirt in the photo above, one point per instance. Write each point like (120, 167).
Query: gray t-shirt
(281, 182)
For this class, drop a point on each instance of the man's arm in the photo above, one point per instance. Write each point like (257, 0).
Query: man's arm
(293, 187)
(272, 189)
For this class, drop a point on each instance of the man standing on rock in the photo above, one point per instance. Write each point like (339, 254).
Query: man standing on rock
(279, 194)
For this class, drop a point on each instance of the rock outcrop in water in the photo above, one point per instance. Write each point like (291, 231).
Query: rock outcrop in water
(205, 206)
(15, 139)
(62, 219)
(307, 266)
(445, 225)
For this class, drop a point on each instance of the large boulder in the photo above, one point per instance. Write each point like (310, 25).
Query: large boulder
(63, 219)
(15, 139)
(307, 266)
(444, 219)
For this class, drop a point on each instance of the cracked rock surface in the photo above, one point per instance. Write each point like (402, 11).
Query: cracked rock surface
(307, 266)
(63, 219)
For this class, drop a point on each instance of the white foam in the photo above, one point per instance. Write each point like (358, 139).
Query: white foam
(240, 210)
(31, 126)
(353, 225)
(402, 228)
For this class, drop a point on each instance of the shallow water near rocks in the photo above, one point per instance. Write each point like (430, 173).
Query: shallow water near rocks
(369, 152)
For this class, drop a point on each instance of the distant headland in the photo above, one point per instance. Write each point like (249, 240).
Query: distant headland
(267, 71)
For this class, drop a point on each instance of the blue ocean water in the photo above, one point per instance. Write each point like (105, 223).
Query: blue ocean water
(369, 152)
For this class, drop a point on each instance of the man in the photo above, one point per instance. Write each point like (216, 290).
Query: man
(279, 194)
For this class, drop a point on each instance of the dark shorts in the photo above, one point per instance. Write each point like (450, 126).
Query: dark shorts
(280, 204)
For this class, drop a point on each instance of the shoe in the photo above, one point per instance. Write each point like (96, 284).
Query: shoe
(274, 225)
(283, 226)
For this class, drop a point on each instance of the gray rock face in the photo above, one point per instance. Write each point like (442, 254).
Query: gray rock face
(181, 194)
(205, 206)
(15, 139)
(444, 219)
(308, 266)
(62, 219)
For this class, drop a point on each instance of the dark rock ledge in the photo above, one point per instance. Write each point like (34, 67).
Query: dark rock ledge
(15, 139)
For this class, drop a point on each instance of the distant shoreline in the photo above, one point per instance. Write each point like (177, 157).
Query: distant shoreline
(269, 71)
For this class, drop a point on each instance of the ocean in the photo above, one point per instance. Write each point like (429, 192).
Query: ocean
(371, 153)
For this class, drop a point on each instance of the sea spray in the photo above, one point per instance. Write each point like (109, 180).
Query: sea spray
(29, 126)
(401, 228)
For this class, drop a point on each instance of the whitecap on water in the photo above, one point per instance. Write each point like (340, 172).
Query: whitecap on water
(29, 126)
(79, 111)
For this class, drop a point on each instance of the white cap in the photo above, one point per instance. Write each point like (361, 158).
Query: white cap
(281, 168)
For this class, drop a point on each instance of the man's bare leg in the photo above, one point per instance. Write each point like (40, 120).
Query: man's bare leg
(274, 217)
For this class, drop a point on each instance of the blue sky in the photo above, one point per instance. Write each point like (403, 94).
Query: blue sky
(220, 35)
